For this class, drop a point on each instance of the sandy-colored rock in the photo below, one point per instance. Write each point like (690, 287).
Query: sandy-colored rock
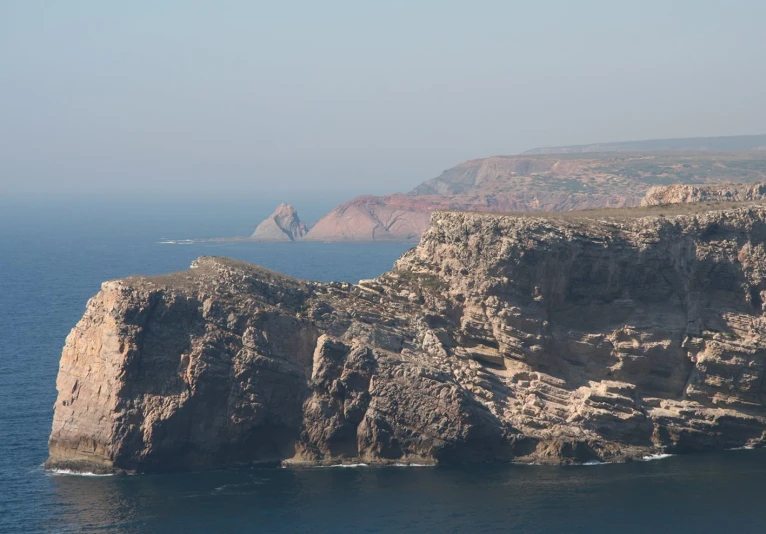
(282, 225)
(681, 193)
(571, 337)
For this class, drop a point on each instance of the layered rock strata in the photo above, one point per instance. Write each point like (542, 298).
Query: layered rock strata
(554, 338)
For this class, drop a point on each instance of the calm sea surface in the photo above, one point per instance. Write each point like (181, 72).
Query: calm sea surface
(53, 258)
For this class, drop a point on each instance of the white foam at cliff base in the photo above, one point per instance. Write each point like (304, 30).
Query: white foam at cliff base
(743, 448)
(362, 465)
(658, 456)
(69, 472)
(288, 466)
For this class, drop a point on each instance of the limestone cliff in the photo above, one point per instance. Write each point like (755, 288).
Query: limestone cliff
(572, 337)
(680, 193)
(282, 225)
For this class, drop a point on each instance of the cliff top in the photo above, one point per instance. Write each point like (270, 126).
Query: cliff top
(629, 213)
(215, 270)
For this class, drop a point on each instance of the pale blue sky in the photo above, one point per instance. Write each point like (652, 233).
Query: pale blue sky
(240, 97)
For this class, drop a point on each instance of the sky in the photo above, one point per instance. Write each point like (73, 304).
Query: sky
(242, 99)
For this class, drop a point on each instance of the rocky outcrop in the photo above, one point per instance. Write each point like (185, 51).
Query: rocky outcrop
(573, 337)
(679, 193)
(282, 225)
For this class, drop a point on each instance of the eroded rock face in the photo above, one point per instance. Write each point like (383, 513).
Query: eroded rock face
(680, 193)
(555, 338)
(282, 225)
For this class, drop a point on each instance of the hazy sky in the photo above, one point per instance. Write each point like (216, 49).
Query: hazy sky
(242, 97)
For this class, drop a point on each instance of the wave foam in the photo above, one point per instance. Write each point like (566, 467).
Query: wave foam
(69, 472)
(176, 242)
(658, 456)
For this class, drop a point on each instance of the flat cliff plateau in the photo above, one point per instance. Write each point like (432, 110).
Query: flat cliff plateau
(568, 337)
(537, 182)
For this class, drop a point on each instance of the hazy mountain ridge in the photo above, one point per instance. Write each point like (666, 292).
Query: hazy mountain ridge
(736, 142)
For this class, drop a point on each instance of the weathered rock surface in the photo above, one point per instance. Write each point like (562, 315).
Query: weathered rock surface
(680, 193)
(569, 337)
(282, 225)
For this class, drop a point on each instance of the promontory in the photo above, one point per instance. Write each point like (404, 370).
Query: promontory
(604, 335)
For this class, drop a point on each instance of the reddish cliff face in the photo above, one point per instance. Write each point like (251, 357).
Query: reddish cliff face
(369, 218)
(530, 183)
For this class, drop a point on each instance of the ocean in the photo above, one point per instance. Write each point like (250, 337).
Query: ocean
(54, 256)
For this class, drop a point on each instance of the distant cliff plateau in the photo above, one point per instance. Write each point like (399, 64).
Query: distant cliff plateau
(688, 144)
(589, 336)
(543, 182)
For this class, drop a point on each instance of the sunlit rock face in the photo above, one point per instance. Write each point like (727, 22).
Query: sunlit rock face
(604, 335)
(282, 225)
(681, 193)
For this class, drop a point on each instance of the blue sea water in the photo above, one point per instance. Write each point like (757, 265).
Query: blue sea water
(53, 257)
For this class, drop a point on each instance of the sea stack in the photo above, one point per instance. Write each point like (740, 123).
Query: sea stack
(282, 225)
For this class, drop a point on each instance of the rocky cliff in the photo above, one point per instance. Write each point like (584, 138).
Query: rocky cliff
(573, 337)
(679, 193)
(533, 183)
(282, 225)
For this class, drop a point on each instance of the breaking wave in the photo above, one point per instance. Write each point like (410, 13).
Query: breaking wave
(69, 472)
(176, 242)
(658, 456)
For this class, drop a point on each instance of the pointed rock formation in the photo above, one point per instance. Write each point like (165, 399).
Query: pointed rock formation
(282, 225)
